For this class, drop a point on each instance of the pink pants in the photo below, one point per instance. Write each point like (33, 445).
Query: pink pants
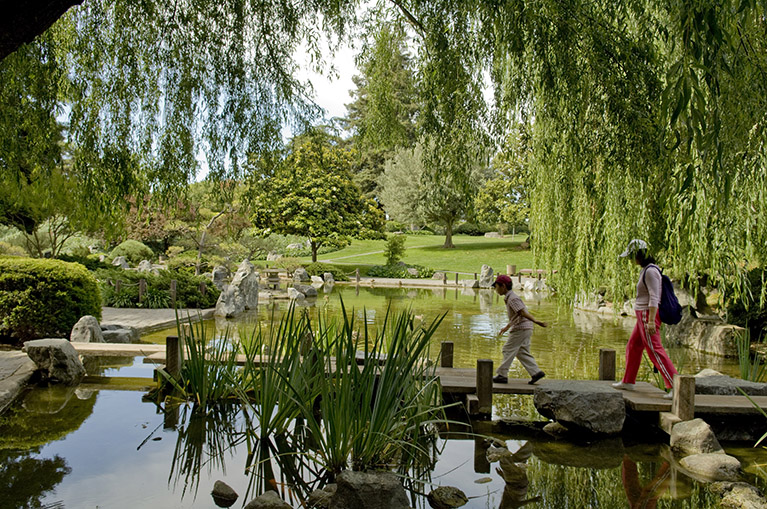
(658, 356)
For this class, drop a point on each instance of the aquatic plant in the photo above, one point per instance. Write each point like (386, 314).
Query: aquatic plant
(752, 368)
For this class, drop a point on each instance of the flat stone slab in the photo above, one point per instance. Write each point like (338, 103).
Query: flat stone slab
(16, 368)
(724, 385)
(148, 320)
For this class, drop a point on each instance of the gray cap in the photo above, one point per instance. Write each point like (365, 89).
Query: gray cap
(633, 246)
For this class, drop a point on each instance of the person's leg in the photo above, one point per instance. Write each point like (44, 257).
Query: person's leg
(525, 357)
(510, 351)
(657, 353)
(634, 349)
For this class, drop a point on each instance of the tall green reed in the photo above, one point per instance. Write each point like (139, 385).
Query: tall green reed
(752, 367)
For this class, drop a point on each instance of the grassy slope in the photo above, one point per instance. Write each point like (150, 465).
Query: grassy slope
(468, 256)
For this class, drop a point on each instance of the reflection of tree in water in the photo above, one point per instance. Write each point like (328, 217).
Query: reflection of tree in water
(24, 479)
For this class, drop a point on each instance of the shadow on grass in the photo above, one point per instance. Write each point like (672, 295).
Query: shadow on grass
(478, 246)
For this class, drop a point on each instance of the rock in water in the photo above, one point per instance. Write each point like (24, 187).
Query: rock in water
(582, 405)
(223, 494)
(447, 497)
(57, 359)
(486, 277)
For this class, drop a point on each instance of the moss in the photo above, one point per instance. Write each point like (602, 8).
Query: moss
(44, 298)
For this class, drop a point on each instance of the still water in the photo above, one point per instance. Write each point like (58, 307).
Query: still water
(84, 448)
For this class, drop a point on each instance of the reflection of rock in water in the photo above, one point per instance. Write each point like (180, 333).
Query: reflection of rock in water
(513, 470)
(486, 300)
(590, 322)
(439, 292)
(96, 365)
(599, 454)
(48, 400)
(468, 292)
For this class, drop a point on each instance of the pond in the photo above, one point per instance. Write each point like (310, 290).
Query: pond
(89, 448)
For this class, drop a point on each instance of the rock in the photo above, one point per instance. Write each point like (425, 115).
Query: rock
(494, 454)
(87, 330)
(294, 294)
(728, 386)
(707, 372)
(144, 266)
(486, 277)
(241, 294)
(495, 442)
(584, 405)
(704, 333)
(294, 247)
(369, 490)
(120, 336)
(493, 235)
(483, 480)
(694, 437)
(57, 359)
(556, 429)
(223, 494)
(469, 283)
(121, 262)
(317, 279)
(320, 499)
(301, 276)
(269, 500)
(413, 272)
(446, 497)
(738, 495)
(273, 257)
(712, 466)
(307, 290)
(327, 277)
(219, 276)
(438, 275)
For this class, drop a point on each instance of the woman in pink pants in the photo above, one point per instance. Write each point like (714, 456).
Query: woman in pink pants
(646, 334)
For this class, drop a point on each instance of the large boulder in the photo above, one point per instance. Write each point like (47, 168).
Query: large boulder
(114, 333)
(241, 294)
(369, 490)
(294, 294)
(269, 500)
(712, 467)
(589, 406)
(301, 276)
(704, 333)
(320, 499)
(317, 279)
(328, 277)
(694, 437)
(469, 283)
(145, 266)
(486, 277)
(57, 359)
(273, 257)
(219, 276)
(87, 330)
(307, 290)
(121, 262)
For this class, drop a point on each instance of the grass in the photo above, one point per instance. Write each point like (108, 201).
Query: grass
(468, 256)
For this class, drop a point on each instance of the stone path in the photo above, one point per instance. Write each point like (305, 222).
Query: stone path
(15, 370)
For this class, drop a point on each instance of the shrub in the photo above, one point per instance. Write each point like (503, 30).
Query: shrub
(473, 229)
(395, 249)
(753, 314)
(288, 263)
(188, 293)
(90, 262)
(133, 251)
(400, 271)
(318, 269)
(44, 298)
(395, 226)
(11, 250)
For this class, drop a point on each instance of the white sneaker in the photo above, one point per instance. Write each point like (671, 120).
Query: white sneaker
(669, 394)
(623, 386)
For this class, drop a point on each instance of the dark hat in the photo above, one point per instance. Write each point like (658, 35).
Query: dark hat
(503, 279)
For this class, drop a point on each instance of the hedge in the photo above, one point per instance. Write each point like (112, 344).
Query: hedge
(44, 298)
(158, 289)
(133, 251)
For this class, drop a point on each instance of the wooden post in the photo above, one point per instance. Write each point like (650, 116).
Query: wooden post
(512, 270)
(456, 279)
(173, 356)
(446, 355)
(118, 284)
(173, 284)
(357, 275)
(444, 278)
(539, 274)
(485, 385)
(141, 290)
(508, 269)
(519, 277)
(683, 404)
(606, 364)
(203, 288)
(481, 465)
(475, 276)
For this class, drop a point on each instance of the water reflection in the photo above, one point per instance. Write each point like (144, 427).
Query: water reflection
(25, 478)
(647, 495)
(513, 470)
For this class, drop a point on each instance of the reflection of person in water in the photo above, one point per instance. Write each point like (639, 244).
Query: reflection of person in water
(643, 497)
(514, 471)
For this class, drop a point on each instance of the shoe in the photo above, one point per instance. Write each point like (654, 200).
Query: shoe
(498, 379)
(536, 377)
(669, 394)
(623, 386)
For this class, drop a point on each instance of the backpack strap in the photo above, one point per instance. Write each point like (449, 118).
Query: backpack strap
(645, 273)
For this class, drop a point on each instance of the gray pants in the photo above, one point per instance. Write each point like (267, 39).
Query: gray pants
(518, 345)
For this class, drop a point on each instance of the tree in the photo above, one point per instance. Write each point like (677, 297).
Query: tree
(400, 186)
(311, 193)
(382, 114)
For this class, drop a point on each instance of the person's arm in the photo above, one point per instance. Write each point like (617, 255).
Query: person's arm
(654, 287)
(530, 317)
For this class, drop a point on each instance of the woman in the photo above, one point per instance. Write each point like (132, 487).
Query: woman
(646, 334)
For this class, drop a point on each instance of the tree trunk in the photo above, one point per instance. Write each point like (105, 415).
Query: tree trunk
(449, 235)
(315, 247)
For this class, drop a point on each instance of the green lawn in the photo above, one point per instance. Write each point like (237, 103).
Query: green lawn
(468, 255)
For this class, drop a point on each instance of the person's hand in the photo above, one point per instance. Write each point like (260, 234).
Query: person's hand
(543, 324)
(503, 331)
(651, 328)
